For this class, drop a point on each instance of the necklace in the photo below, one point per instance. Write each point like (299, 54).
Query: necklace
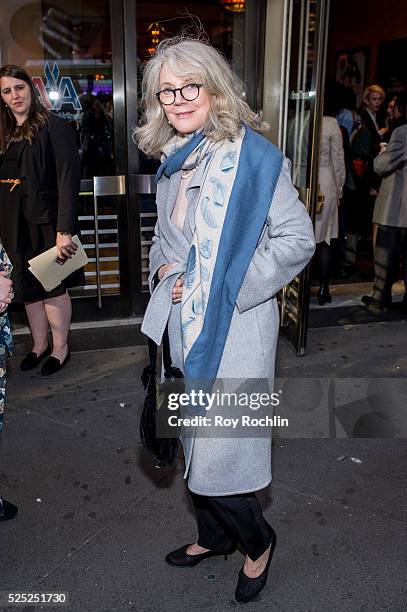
(185, 174)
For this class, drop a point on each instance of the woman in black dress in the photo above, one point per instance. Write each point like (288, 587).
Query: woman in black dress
(374, 132)
(39, 187)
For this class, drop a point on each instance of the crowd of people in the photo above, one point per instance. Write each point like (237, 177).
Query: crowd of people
(361, 180)
(94, 134)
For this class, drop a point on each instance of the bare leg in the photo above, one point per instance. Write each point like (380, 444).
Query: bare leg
(255, 568)
(59, 312)
(195, 549)
(38, 323)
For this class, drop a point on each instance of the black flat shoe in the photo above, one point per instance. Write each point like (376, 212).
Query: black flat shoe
(323, 295)
(367, 299)
(248, 588)
(53, 365)
(375, 306)
(31, 360)
(7, 510)
(180, 557)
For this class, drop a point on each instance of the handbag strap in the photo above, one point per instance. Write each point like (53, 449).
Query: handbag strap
(152, 352)
(153, 348)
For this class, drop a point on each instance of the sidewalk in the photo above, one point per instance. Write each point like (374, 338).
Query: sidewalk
(95, 519)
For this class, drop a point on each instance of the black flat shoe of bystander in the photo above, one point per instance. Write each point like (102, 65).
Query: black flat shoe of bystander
(31, 360)
(53, 365)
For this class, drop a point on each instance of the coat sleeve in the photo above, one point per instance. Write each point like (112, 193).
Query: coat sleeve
(338, 157)
(394, 157)
(156, 256)
(68, 171)
(284, 250)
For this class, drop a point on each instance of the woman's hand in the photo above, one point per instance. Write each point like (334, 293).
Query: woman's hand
(383, 131)
(177, 290)
(65, 246)
(162, 271)
(6, 291)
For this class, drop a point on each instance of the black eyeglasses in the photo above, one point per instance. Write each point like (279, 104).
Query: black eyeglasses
(188, 92)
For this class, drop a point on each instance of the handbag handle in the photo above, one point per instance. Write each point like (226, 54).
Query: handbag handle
(152, 352)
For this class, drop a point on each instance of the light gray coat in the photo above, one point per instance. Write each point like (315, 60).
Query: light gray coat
(391, 203)
(219, 466)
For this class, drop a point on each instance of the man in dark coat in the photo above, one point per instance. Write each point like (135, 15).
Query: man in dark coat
(390, 214)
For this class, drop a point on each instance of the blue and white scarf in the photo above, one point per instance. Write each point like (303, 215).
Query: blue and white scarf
(238, 185)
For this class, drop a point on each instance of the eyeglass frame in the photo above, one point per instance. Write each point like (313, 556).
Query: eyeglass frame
(174, 92)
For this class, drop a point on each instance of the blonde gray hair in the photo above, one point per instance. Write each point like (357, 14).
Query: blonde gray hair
(372, 89)
(198, 59)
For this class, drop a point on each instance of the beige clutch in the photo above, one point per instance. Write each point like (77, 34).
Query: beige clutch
(49, 272)
(320, 202)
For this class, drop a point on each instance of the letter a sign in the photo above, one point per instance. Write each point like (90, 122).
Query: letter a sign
(65, 92)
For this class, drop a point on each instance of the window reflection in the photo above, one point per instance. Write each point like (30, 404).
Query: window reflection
(67, 51)
(224, 27)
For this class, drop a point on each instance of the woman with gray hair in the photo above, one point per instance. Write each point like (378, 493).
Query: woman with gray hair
(230, 234)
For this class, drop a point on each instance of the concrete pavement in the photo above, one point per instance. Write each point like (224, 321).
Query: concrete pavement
(96, 519)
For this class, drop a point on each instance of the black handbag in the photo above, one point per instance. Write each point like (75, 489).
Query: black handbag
(163, 450)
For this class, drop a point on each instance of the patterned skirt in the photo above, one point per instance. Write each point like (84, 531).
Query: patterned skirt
(6, 340)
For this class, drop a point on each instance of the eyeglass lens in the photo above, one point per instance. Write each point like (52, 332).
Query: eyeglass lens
(188, 92)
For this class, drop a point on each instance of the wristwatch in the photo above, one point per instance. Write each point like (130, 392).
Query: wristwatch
(64, 233)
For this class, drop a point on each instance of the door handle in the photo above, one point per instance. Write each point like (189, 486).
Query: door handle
(144, 184)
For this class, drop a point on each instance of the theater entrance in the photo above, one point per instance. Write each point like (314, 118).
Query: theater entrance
(85, 58)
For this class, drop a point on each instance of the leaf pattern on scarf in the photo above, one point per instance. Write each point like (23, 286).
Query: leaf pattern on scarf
(218, 195)
(191, 268)
(207, 214)
(228, 162)
(197, 306)
(205, 248)
(205, 274)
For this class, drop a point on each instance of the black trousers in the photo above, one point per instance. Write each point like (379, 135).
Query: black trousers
(390, 247)
(231, 518)
(324, 255)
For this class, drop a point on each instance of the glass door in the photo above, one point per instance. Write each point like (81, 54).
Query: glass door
(72, 50)
(236, 29)
(302, 115)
